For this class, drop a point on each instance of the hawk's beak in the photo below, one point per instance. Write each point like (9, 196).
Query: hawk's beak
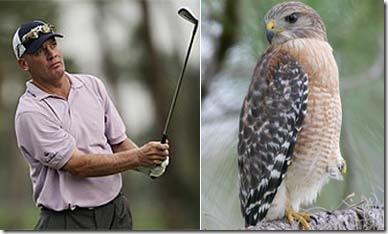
(272, 30)
(270, 35)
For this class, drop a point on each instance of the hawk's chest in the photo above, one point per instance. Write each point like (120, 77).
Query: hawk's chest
(316, 58)
(321, 127)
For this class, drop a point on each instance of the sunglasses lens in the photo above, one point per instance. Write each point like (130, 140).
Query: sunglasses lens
(34, 33)
(46, 28)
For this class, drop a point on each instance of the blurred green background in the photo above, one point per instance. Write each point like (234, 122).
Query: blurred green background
(232, 41)
(137, 47)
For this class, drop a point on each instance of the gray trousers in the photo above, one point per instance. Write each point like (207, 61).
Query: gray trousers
(114, 215)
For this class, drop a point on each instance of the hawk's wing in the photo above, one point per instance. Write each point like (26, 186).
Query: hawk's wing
(271, 116)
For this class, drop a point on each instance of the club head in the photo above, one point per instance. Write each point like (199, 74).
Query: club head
(185, 14)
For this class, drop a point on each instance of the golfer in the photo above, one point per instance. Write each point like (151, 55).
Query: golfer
(73, 138)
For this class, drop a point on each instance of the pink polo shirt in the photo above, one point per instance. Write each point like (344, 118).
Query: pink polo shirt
(50, 128)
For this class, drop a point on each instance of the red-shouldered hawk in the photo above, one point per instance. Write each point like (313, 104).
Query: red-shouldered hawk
(290, 120)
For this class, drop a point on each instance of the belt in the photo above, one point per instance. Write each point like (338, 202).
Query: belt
(43, 208)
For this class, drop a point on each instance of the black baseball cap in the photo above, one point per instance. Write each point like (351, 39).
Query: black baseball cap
(30, 36)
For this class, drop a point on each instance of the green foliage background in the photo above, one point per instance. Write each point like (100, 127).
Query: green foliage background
(355, 30)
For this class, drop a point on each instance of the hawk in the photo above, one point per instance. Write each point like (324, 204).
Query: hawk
(290, 120)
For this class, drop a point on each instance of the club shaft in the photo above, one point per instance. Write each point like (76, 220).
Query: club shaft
(172, 106)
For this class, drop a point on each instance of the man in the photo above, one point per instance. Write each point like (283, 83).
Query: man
(73, 139)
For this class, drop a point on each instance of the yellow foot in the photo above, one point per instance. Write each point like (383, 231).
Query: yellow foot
(302, 218)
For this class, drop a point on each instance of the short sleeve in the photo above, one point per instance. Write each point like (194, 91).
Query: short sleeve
(114, 125)
(44, 140)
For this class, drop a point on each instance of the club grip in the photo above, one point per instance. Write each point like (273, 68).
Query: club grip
(164, 139)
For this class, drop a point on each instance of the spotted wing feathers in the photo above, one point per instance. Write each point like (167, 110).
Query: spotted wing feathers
(271, 116)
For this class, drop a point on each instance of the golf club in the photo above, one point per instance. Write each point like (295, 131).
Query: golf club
(185, 14)
(157, 171)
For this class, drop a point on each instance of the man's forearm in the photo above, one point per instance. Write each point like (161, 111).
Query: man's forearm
(93, 165)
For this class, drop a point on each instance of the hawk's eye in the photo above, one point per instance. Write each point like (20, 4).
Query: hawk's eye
(291, 18)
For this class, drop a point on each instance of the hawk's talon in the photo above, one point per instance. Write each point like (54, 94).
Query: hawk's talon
(302, 218)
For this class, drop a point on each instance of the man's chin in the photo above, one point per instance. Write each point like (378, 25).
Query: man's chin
(59, 72)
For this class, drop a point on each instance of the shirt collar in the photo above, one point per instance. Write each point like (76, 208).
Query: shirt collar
(36, 92)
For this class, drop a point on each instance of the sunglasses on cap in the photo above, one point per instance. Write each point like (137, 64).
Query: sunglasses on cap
(34, 33)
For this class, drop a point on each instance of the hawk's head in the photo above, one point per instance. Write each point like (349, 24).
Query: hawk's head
(291, 20)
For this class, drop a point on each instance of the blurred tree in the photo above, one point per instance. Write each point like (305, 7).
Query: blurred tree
(230, 25)
(177, 195)
(109, 67)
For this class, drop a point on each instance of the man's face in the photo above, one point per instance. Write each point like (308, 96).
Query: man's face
(46, 64)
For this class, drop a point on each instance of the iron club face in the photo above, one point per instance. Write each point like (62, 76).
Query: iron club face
(185, 14)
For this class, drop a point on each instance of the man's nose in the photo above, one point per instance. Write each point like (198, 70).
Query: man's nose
(50, 53)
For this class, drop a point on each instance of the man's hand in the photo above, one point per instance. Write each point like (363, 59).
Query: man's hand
(152, 154)
(159, 167)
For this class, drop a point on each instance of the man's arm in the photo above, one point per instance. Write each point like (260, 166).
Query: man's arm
(92, 165)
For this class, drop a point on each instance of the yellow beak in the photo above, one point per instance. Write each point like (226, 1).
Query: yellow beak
(271, 25)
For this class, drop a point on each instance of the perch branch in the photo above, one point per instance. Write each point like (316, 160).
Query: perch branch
(361, 217)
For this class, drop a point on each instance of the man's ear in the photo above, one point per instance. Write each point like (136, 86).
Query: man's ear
(23, 64)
